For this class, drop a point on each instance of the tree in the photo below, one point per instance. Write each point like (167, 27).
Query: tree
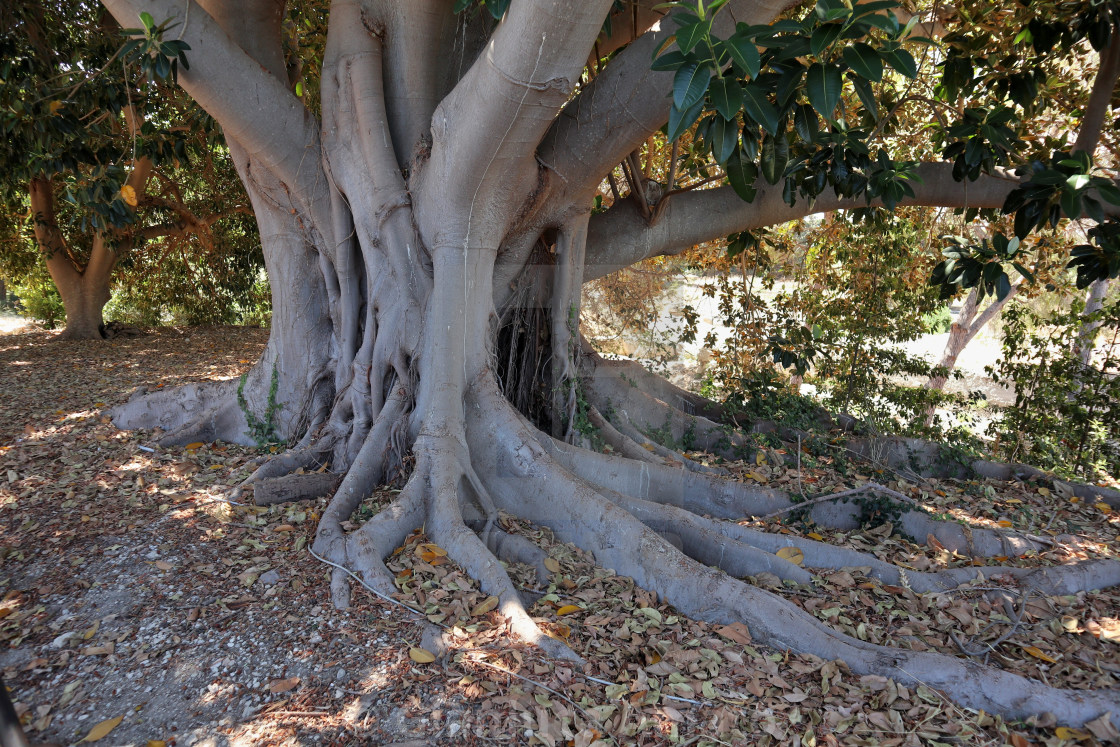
(427, 225)
(97, 165)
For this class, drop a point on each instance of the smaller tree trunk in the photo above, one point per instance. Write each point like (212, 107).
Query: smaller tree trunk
(1086, 338)
(967, 325)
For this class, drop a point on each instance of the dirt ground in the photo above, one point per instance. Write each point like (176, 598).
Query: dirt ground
(138, 606)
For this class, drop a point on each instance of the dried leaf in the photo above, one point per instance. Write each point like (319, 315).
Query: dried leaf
(128, 194)
(484, 606)
(102, 729)
(195, 446)
(792, 554)
(421, 655)
(282, 686)
(568, 609)
(1103, 507)
(1064, 732)
(552, 564)
(737, 632)
(1039, 654)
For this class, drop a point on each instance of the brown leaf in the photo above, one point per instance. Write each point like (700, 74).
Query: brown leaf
(421, 655)
(484, 606)
(282, 686)
(737, 632)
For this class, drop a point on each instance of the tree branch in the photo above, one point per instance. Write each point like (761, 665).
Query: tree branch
(524, 76)
(620, 236)
(253, 105)
(417, 66)
(1100, 97)
(614, 114)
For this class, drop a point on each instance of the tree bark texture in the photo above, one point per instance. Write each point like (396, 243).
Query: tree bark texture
(426, 240)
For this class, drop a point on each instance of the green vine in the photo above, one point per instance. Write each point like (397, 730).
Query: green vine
(263, 431)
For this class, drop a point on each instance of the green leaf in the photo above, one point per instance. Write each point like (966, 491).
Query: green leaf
(824, 37)
(1078, 181)
(824, 84)
(147, 21)
(775, 156)
(864, 60)
(866, 96)
(902, 61)
(670, 61)
(744, 55)
(680, 120)
(727, 96)
(691, 34)
(742, 172)
(805, 123)
(759, 109)
(689, 85)
(724, 137)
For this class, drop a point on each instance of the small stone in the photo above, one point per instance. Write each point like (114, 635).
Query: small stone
(269, 578)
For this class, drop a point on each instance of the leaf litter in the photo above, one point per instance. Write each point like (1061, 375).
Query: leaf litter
(131, 586)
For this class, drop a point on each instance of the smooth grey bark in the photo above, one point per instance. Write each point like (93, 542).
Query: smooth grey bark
(400, 231)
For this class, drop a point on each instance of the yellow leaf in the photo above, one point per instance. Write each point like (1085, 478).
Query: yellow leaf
(568, 609)
(759, 457)
(194, 446)
(1039, 654)
(156, 743)
(1044, 491)
(435, 550)
(817, 537)
(552, 564)
(421, 655)
(1012, 500)
(102, 729)
(792, 554)
(1064, 732)
(484, 606)
(1004, 523)
(54, 106)
(128, 194)
(1103, 507)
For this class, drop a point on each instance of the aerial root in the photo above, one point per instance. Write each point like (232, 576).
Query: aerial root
(448, 529)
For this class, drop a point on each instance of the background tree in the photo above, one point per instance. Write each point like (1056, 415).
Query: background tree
(97, 165)
(427, 228)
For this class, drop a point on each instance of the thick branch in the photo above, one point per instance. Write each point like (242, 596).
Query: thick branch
(620, 237)
(625, 105)
(253, 105)
(526, 73)
(416, 66)
(1103, 86)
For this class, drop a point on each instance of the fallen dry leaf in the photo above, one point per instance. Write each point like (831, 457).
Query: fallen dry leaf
(102, 730)
(282, 686)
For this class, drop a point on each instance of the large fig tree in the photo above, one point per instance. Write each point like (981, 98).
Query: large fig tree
(428, 222)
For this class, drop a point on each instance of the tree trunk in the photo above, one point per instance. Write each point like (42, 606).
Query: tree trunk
(426, 253)
(1087, 336)
(963, 330)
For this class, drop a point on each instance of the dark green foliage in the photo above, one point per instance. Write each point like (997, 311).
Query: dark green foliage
(262, 429)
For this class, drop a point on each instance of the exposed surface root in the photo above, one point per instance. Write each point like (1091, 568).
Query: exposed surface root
(529, 481)
(206, 412)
